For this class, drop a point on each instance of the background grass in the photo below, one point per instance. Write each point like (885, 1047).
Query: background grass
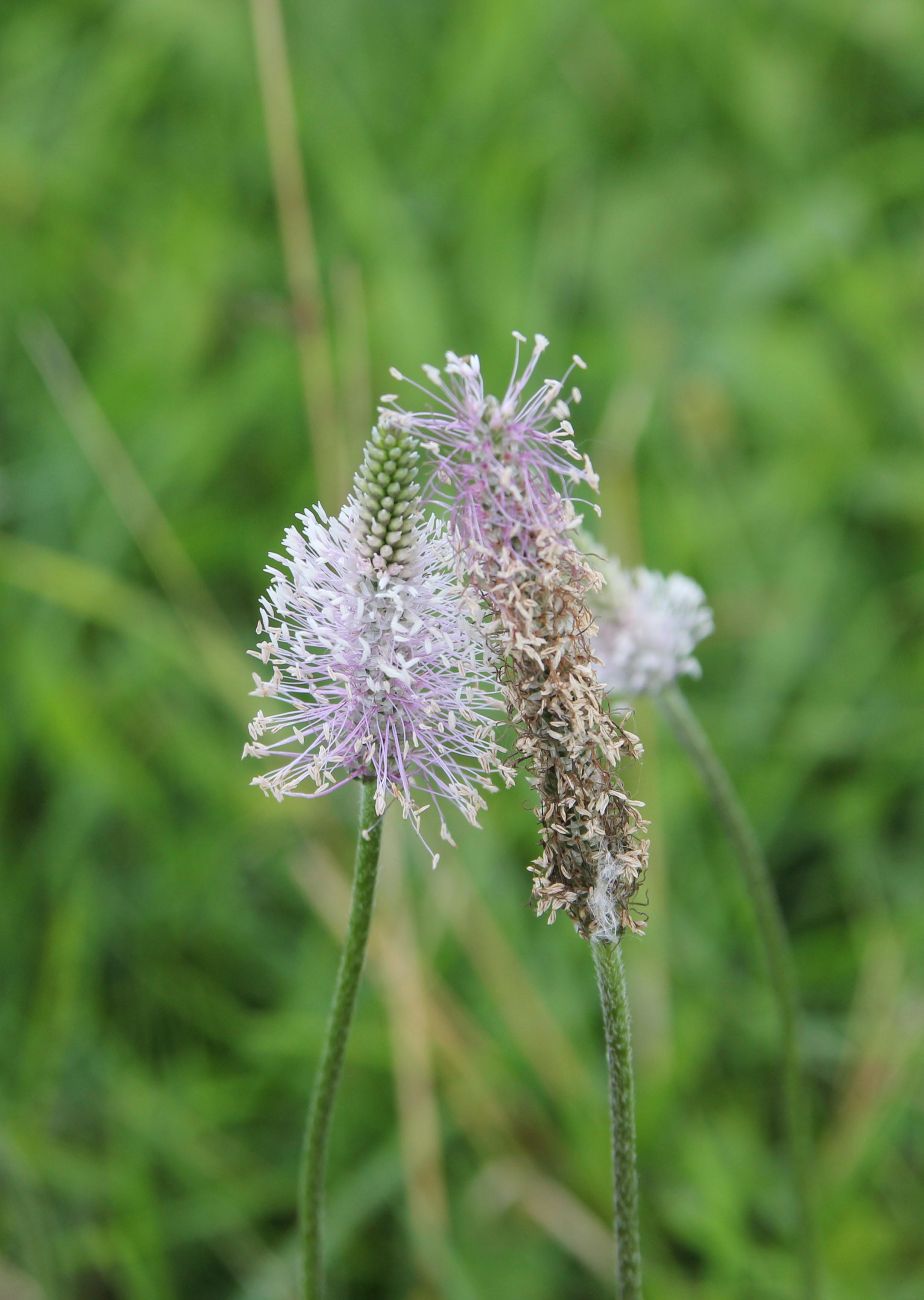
(720, 207)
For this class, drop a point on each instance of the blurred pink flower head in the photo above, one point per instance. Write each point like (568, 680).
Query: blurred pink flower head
(649, 624)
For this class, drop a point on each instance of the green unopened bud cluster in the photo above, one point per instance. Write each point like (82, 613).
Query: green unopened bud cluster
(386, 497)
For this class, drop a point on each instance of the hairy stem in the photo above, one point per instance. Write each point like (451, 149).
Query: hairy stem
(321, 1109)
(772, 927)
(611, 981)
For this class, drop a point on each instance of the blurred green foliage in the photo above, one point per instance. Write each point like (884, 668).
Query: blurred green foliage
(721, 208)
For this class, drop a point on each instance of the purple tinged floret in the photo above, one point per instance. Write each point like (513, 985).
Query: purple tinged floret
(496, 460)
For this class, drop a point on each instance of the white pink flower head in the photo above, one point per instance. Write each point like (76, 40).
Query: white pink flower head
(376, 653)
(649, 624)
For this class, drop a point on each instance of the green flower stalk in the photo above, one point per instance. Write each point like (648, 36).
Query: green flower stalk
(611, 981)
(321, 1110)
(772, 929)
